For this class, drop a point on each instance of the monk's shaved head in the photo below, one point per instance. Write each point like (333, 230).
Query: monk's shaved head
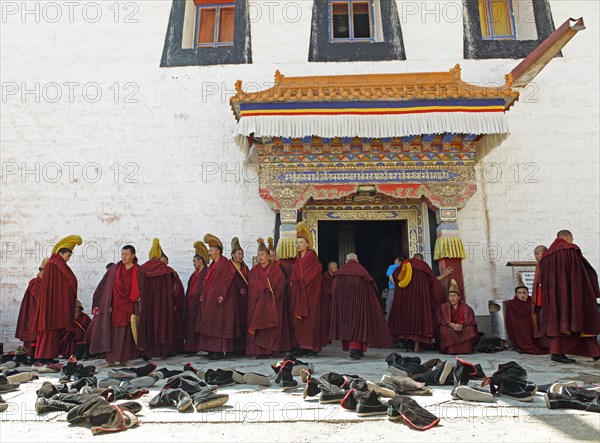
(419, 256)
(566, 235)
(351, 256)
(539, 251)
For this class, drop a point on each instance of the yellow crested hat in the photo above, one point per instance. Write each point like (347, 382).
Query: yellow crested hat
(235, 244)
(68, 242)
(302, 231)
(201, 250)
(261, 245)
(453, 287)
(520, 283)
(213, 241)
(270, 244)
(156, 251)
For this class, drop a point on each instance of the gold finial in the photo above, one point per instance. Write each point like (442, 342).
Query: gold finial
(238, 86)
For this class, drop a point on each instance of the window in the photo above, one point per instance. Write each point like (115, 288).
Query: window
(208, 32)
(497, 20)
(340, 26)
(214, 24)
(505, 28)
(351, 20)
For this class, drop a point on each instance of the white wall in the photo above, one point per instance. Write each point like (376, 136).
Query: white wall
(177, 139)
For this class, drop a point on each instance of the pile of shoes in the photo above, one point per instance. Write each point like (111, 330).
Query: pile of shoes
(510, 380)
(76, 370)
(286, 369)
(434, 372)
(186, 390)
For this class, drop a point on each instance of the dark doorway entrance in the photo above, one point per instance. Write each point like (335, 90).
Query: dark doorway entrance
(376, 243)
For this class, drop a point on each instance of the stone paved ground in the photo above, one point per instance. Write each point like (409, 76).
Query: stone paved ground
(267, 414)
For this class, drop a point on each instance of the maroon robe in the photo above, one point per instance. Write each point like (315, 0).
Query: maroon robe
(326, 300)
(451, 341)
(191, 311)
(520, 326)
(569, 316)
(266, 311)
(220, 330)
(413, 315)
(356, 313)
(75, 336)
(116, 299)
(305, 301)
(241, 317)
(56, 307)
(25, 323)
(161, 291)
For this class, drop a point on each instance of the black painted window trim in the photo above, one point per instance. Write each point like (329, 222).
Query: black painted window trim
(475, 47)
(323, 50)
(240, 53)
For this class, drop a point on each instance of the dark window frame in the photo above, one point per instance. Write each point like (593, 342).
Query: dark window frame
(477, 48)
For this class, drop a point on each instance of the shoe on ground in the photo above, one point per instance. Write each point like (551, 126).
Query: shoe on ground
(207, 399)
(6, 386)
(515, 389)
(562, 358)
(397, 372)
(471, 393)
(50, 368)
(411, 413)
(144, 382)
(349, 401)
(253, 378)
(385, 392)
(236, 375)
(446, 371)
(368, 404)
(21, 377)
(556, 388)
(109, 382)
(3, 405)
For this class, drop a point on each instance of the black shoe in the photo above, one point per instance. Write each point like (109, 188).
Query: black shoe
(561, 358)
(286, 379)
(219, 377)
(330, 393)
(49, 405)
(170, 397)
(85, 381)
(559, 401)
(368, 404)
(216, 356)
(442, 373)
(208, 399)
(411, 413)
(312, 354)
(349, 401)
(68, 371)
(355, 354)
(312, 387)
(3, 405)
(516, 389)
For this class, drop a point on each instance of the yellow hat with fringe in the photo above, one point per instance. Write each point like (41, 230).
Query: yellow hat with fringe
(235, 244)
(453, 287)
(270, 244)
(302, 231)
(213, 241)
(156, 251)
(201, 250)
(261, 245)
(68, 242)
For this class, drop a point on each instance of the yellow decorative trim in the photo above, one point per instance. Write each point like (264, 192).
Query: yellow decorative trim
(286, 248)
(449, 247)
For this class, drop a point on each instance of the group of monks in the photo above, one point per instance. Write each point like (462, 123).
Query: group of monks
(281, 305)
(561, 316)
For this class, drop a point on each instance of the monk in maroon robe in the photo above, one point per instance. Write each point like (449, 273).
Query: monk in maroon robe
(569, 316)
(267, 318)
(326, 300)
(26, 321)
(191, 312)
(357, 318)
(74, 339)
(56, 303)
(414, 310)
(457, 325)
(240, 281)
(223, 287)
(162, 291)
(305, 295)
(520, 324)
(115, 301)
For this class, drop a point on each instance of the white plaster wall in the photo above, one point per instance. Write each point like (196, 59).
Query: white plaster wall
(188, 177)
